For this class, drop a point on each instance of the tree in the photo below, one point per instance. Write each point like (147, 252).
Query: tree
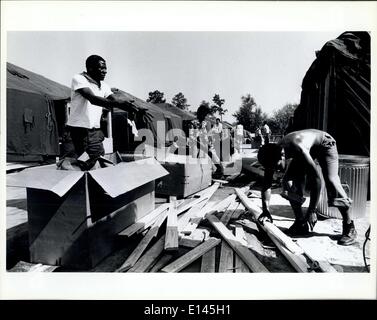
(249, 114)
(180, 101)
(217, 106)
(280, 119)
(203, 110)
(156, 97)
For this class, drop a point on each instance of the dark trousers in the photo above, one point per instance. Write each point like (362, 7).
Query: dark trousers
(89, 141)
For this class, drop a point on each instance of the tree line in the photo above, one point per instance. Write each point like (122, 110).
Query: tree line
(249, 114)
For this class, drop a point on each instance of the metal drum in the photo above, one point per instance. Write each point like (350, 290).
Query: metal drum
(354, 175)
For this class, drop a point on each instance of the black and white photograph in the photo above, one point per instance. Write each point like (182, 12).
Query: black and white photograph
(187, 152)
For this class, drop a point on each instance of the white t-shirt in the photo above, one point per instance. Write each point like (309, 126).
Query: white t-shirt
(266, 129)
(82, 113)
(217, 128)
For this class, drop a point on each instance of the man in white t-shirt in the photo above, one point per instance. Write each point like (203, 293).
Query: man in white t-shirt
(266, 132)
(89, 97)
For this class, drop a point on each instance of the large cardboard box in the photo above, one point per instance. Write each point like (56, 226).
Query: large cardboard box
(186, 175)
(74, 216)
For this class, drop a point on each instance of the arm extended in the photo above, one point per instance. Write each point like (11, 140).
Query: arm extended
(108, 103)
(315, 188)
(266, 195)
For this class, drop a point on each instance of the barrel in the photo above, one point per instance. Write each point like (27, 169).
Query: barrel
(354, 176)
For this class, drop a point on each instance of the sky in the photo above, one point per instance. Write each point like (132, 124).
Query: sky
(268, 65)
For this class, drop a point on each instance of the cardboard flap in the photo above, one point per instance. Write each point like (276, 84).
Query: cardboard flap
(45, 178)
(127, 176)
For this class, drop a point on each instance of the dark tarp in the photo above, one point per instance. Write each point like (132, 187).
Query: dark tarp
(122, 139)
(32, 127)
(184, 115)
(335, 93)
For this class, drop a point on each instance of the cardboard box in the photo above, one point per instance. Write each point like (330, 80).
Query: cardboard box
(74, 216)
(185, 177)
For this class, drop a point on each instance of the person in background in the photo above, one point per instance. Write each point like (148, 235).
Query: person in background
(259, 137)
(205, 142)
(90, 97)
(266, 132)
(218, 127)
(303, 148)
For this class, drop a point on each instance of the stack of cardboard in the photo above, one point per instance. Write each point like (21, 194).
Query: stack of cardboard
(74, 216)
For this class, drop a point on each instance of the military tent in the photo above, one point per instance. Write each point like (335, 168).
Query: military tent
(35, 115)
(335, 93)
(183, 114)
(122, 135)
(186, 116)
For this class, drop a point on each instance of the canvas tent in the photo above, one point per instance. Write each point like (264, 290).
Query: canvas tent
(184, 115)
(34, 106)
(122, 137)
(335, 93)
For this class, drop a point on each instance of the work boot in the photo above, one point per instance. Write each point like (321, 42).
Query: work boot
(349, 234)
(298, 228)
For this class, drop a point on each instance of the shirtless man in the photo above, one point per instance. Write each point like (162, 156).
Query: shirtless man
(302, 148)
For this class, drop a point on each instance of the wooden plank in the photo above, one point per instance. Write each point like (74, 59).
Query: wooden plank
(240, 234)
(227, 215)
(209, 261)
(194, 239)
(161, 262)
(323, 264)
(208, 209)
(171, 235)
(268, 227)
(188, 242)
(140, 248)
(141, 223)
(226, 258)
(239, 265)
(240, 210)
(297, 261)
(150, 257)
(192, 212)
(247, 256)
(191, 256)
(205, 194)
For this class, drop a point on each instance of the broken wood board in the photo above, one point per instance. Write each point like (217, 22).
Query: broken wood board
(161, 262)
(184, 219)
(227, 215)
(150, 257)
(208, 209)
(143, 244)
(239, 265)
(226, 258)
(298, 261)
(205, 194)
(198, 236)
(246, 255)
(237, 213)
(209, 261)
(144, 221)
(171, 235)
(191, 256)
(267, 226)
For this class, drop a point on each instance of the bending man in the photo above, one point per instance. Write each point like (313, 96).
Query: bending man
(302, 148)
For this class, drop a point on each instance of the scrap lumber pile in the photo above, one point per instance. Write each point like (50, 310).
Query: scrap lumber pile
(205, 234)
